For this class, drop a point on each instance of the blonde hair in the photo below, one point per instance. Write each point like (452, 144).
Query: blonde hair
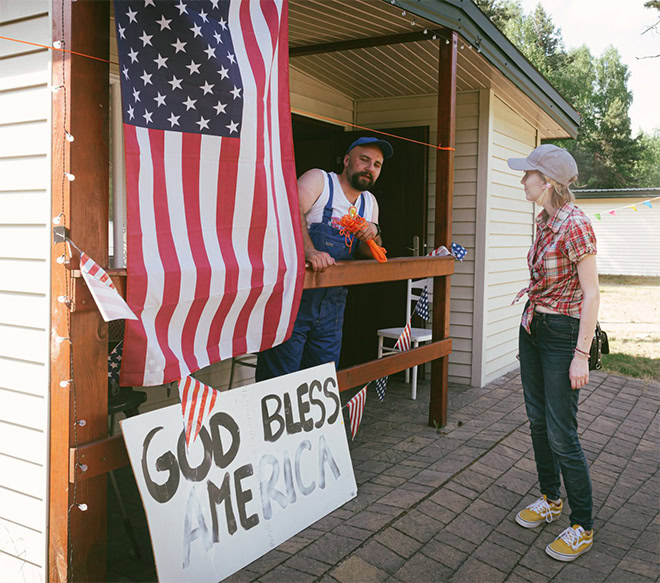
(559, 194)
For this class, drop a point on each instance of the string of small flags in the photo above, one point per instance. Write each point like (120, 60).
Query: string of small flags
(634, 207)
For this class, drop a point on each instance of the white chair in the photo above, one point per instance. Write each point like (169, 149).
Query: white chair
(417, 335)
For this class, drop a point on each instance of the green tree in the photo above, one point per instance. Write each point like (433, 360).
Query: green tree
(500, 11)
(648, 165)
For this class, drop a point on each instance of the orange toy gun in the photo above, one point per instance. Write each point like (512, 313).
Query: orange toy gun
(351, 223)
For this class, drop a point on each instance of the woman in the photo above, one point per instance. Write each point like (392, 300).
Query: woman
(557, 327)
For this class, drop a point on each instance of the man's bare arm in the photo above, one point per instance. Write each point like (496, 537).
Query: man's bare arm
(310, 187)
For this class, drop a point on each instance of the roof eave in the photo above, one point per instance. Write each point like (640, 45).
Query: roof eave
(464, 17)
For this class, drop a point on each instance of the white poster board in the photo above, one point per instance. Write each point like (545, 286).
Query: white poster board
(271, 459)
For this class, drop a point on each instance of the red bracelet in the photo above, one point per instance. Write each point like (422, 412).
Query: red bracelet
(582, 352)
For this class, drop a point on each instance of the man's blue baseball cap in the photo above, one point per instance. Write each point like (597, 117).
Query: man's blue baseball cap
(385, 147)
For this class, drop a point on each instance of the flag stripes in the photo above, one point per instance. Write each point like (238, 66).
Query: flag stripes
(355, 410)
(403, 343)
(110, 304)
(195, 396)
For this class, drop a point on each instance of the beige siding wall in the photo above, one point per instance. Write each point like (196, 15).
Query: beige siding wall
(24, 288)
(422, 111)
(509, 233)
(641, 228)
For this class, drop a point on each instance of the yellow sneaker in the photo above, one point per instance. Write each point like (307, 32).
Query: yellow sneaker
(539, 512)
(571, 543)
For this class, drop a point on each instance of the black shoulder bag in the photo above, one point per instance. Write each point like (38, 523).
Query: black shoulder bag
(599, 345)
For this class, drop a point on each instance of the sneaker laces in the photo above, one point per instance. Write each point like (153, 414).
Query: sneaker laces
(541, 507)
(571, 536)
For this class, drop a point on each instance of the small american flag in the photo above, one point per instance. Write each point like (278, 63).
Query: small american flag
(458, 251)
(114, 362)
(422, 306)
(197, 401)
(355, 410)
(381, 386)
(403, 343)
(111, 305)
(215, 255)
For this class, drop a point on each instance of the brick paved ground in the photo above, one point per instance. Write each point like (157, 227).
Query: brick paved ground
(439, 505)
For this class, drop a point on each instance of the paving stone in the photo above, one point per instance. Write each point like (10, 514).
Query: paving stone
(623, 576)
(529, 575)
(398, 542)
(470, 528)
(573, 573)
(487, 512)
(507, 542)
(496, 556)
(307, 565)
(453, 540)
(537, 560)
(599, 559)
(431, 478)
(473, 480)
(352, 532)
(281, 573)
(451, 500)
(640, 567)
(422, 569)
(369, 520)
(517, 480)
(418, 526)
(355, 569)
(377, 554)
(501, 497)
(474, 570)
(460, 489)
(446, 554)
(631, 519)
(440, 513)
(268, 561)
(402, 498)
(330, 548)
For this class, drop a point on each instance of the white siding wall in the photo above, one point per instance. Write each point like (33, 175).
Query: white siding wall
(24, 288)
(509, 233)
(615, 233)
(422, 111)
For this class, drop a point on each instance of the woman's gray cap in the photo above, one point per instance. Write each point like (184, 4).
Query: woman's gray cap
(551, 160)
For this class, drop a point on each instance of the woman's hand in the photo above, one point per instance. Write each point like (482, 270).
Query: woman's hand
(579, 371)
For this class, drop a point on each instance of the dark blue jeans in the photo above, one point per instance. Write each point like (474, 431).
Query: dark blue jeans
(316, 337)
(545, 357)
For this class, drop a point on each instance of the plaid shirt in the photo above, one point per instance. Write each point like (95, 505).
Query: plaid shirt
(560, 242)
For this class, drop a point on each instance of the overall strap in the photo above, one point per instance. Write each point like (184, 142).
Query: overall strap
(362, 204)
(327, 210)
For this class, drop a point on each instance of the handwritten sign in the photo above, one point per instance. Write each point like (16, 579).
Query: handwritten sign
(271, 459)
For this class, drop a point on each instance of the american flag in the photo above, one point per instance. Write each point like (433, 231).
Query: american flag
(110, 304)
(114, 362)
(381, 385)
(197, 401)
(422, 305)
(355, 410)
(215, 261)
(403, 343)
(458, 251)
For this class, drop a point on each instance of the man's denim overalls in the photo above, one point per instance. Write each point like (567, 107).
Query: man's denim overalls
(316, 337)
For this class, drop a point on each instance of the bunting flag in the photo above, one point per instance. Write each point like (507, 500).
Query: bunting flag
(613, 212)
(355, 410)
(439, 252)
(422, 305)
(114, 362)
(634, 207)
(648, 204)
(215, 254)
(403, 343)
(458, 251)
(197, 401)
(597, 215)
(381, 386)
(111, 305)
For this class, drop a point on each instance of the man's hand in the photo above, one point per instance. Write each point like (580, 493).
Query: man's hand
(578, 372)
(367, 232)
(318, 260)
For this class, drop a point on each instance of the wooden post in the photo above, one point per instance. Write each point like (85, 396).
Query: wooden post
(444, 194)
(77, 538)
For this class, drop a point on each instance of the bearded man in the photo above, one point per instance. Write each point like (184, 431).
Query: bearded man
(325, 197)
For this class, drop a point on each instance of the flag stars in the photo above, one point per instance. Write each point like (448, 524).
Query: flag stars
(210, 51)
(223, 23)
(232, 58)
(121, 31)
(207, 88)
(174, 120)
(190, 103)
(193, 67)
(146, 38)
(232, 127)
(203, 16)
(125, 72)
(149, 3)
(147, 117)
(131, 112)
(215, 3)
(218, 37)
(131, 16)
(161, 61)
(196, 30)
(164, 23)
(136, 95)
(182, 8)
(203, 123)
(133, 54)
(146, 78)
(179, 46)
(224, 73)
(220, 108)
(160, 99)
(175, 83)
(236, 92)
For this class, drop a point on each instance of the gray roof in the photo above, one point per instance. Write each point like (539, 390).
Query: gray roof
(586, 193)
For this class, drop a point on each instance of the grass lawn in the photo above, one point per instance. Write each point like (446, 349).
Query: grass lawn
(630, 314)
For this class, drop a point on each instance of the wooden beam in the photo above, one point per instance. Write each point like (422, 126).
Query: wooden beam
(444, 196)
(344, 273)
(361, 43)
(108, 454)
(78, 539)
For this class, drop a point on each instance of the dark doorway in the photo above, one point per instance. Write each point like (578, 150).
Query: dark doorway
(401, 194)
